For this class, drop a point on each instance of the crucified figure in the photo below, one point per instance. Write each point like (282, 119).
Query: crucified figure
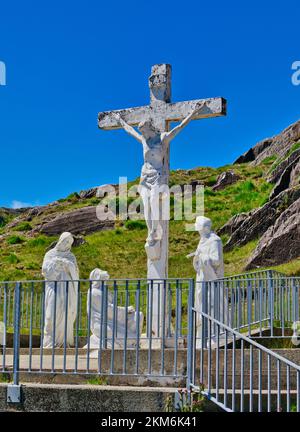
(154, 181)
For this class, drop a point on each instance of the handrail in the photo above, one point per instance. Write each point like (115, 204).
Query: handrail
(246, 339)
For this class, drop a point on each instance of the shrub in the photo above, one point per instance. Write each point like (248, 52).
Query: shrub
(14, 239)
(23, 226)
(135, 224)
(32, 266)
(12, 259)
(38, 241)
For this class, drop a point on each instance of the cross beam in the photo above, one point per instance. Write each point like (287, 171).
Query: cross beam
(172, 112)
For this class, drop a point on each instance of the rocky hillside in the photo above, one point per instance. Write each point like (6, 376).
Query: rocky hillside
(277, 222)
(254, 205)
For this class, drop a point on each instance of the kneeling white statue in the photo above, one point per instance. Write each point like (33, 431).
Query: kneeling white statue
(61, 273)
(208, 263)
(95, 308)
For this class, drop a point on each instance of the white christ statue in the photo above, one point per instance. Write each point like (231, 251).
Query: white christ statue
(153, 186)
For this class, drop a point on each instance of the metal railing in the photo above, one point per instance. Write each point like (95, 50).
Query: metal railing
(258, 306)
(237, 373)
(172, 328)
(128, 332)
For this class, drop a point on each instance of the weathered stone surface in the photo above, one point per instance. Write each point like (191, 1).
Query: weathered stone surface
(87, 398)
(233, 224)
(278, 145)
(275, 175)
(89, 193)
(259, 220)
(251, 154)
(81, 221)
(226, 178)
(295, 174)
(284, 181)
(283, 235)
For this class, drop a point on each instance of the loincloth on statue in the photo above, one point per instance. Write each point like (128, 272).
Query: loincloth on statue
(152, 177)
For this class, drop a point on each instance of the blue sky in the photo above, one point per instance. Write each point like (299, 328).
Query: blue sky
(68, 60)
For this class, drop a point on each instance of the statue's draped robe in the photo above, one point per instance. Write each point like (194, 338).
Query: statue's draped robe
(66, 286)
(208, 263)
(95, 309)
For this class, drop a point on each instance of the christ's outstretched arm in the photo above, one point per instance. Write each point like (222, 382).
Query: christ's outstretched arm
(129, 129)
(172, 134)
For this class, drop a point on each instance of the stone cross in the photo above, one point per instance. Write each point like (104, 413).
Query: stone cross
(162, 112)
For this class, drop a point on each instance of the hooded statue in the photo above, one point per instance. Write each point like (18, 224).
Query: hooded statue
(61, 293)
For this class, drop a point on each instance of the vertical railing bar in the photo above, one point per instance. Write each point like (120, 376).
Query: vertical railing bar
(150, 301)
(242, 377)
(217, 361)
(112, 358)
(259, 380)
(42, 326)
(176, 327)
(251, 380)
(233, 372)
(54, 327)
(137, 352)
(288, 389)
(66, 326)
(103, 288)
(278, 387)
(163, 329)
(77, 325)
(89, 325)
(31, 326)
(126, 327)
(225, 368)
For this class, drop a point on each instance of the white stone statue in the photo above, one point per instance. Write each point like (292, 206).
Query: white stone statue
(60, 265)
(208, 263)
(153, 186)
(97, 277)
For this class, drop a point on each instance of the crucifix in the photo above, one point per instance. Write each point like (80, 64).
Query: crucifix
(154, 134)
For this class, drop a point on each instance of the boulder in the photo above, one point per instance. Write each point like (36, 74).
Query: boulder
(80, 221)
(259, 220)
(281, 242)
(226, 178)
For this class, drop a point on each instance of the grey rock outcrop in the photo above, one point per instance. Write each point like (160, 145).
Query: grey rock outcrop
(245, 229)
(281, 242)
(278, 145)
(80, 221)
(233, 224)
(226, 178)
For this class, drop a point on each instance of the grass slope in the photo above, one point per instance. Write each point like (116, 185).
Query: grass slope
(121, 251)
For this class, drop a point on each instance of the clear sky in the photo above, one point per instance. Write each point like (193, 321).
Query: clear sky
(68, 60)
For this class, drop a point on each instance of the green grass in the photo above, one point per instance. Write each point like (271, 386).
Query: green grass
(99, 380)
(14, 239)
(23, 226)
(121, 251)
